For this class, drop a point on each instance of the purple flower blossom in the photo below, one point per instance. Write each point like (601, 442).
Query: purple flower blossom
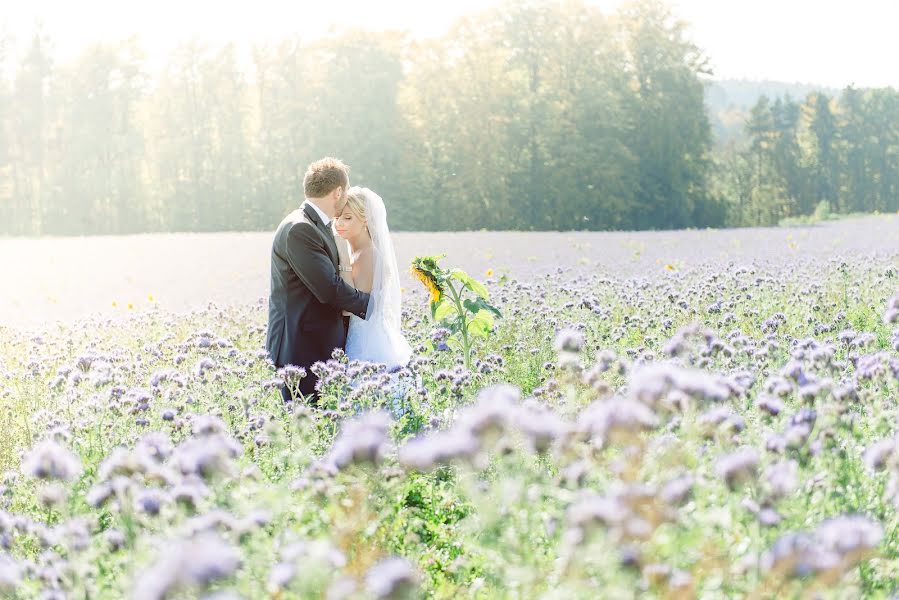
(281, 576)
(722, 419)
(317, 551)
(676, 491)
(123, 462)
(155, 445)
(496, 408)
(10, 576)
(362, 440)
(653, 383)
(771, 405)
(49, 460)
(793, 554)
(569, 340)
(207, 456)
(208, 425)
(541, 427)
(877, 454)
(193, 563)
(836, 545)
(616, 420)
(438, 448)
(891, 314)
(99, 494)
(393, 578)
(150, 501)
(115, 539)
(203, 365)
(52, 495)
(782, 478)
(738, 467)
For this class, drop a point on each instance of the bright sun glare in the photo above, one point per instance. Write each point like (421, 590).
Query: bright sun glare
(831, 42)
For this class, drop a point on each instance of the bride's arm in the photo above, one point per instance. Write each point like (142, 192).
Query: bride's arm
(343, 254)
(364, 271)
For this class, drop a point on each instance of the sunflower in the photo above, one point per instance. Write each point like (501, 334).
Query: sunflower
(433, 277)
(433, 288)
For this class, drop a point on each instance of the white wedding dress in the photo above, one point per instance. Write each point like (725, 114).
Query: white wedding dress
(378, 338)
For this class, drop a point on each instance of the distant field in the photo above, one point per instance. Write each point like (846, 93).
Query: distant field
(67, 278)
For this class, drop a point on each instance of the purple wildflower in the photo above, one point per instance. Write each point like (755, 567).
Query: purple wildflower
(616, 420)
(362, 440)
(877, 455)
(10, 576)
(569, 340)
(392, 578)
(782, 478)
(208, 456)
(49, 460)
(194, 563)
(738, 467)
(438, 448)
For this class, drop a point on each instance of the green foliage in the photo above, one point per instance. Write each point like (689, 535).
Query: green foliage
(806, 162)
(530, 116)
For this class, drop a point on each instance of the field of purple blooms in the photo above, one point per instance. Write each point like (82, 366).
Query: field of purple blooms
(675, 415)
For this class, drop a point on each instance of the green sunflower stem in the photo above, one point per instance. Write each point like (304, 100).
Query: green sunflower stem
(466, 342)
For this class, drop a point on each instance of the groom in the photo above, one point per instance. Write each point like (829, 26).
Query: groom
(308, 296)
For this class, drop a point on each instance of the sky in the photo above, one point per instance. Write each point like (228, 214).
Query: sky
(826, 42)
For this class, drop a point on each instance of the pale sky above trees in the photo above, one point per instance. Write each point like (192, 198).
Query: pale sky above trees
(828, 42)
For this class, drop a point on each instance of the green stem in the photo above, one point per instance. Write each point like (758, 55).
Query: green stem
(466, 343)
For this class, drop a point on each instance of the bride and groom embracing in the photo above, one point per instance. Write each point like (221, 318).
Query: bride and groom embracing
(323, 298)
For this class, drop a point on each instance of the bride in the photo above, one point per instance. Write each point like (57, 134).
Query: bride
(378, 338)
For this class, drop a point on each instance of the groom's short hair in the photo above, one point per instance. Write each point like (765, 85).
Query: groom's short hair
(323, 176)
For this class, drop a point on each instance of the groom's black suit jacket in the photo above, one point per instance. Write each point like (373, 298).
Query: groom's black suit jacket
(305, 322)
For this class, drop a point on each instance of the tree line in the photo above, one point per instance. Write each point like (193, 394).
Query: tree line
(835, 154)
(532, 116)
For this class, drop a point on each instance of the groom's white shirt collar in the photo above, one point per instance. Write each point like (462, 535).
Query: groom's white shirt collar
(325, 218)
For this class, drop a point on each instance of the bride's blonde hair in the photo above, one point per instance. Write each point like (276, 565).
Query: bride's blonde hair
(355, 201)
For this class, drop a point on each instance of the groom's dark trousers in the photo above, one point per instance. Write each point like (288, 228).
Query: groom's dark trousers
(308, 296)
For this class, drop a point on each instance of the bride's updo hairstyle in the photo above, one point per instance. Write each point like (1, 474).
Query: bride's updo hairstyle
(355, 201)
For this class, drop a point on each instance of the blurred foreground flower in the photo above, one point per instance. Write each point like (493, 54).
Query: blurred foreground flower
(49, 460)
(190, 564)
(10, 576)
(836, 546)
(393, 578)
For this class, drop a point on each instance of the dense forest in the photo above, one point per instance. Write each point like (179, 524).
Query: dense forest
(729, 101)
(538, 115)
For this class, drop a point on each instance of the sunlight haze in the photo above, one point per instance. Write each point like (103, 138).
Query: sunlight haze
(830, 43)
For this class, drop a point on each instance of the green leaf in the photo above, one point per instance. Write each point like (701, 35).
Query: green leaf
(468, 281)
(484, 315)
(482, 324)
(480, 304)
(454, 325)
(493, 309)
(445, 309)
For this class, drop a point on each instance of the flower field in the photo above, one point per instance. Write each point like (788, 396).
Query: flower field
(697, 414)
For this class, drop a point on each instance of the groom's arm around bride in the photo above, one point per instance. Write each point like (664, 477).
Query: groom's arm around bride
(314, 268)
